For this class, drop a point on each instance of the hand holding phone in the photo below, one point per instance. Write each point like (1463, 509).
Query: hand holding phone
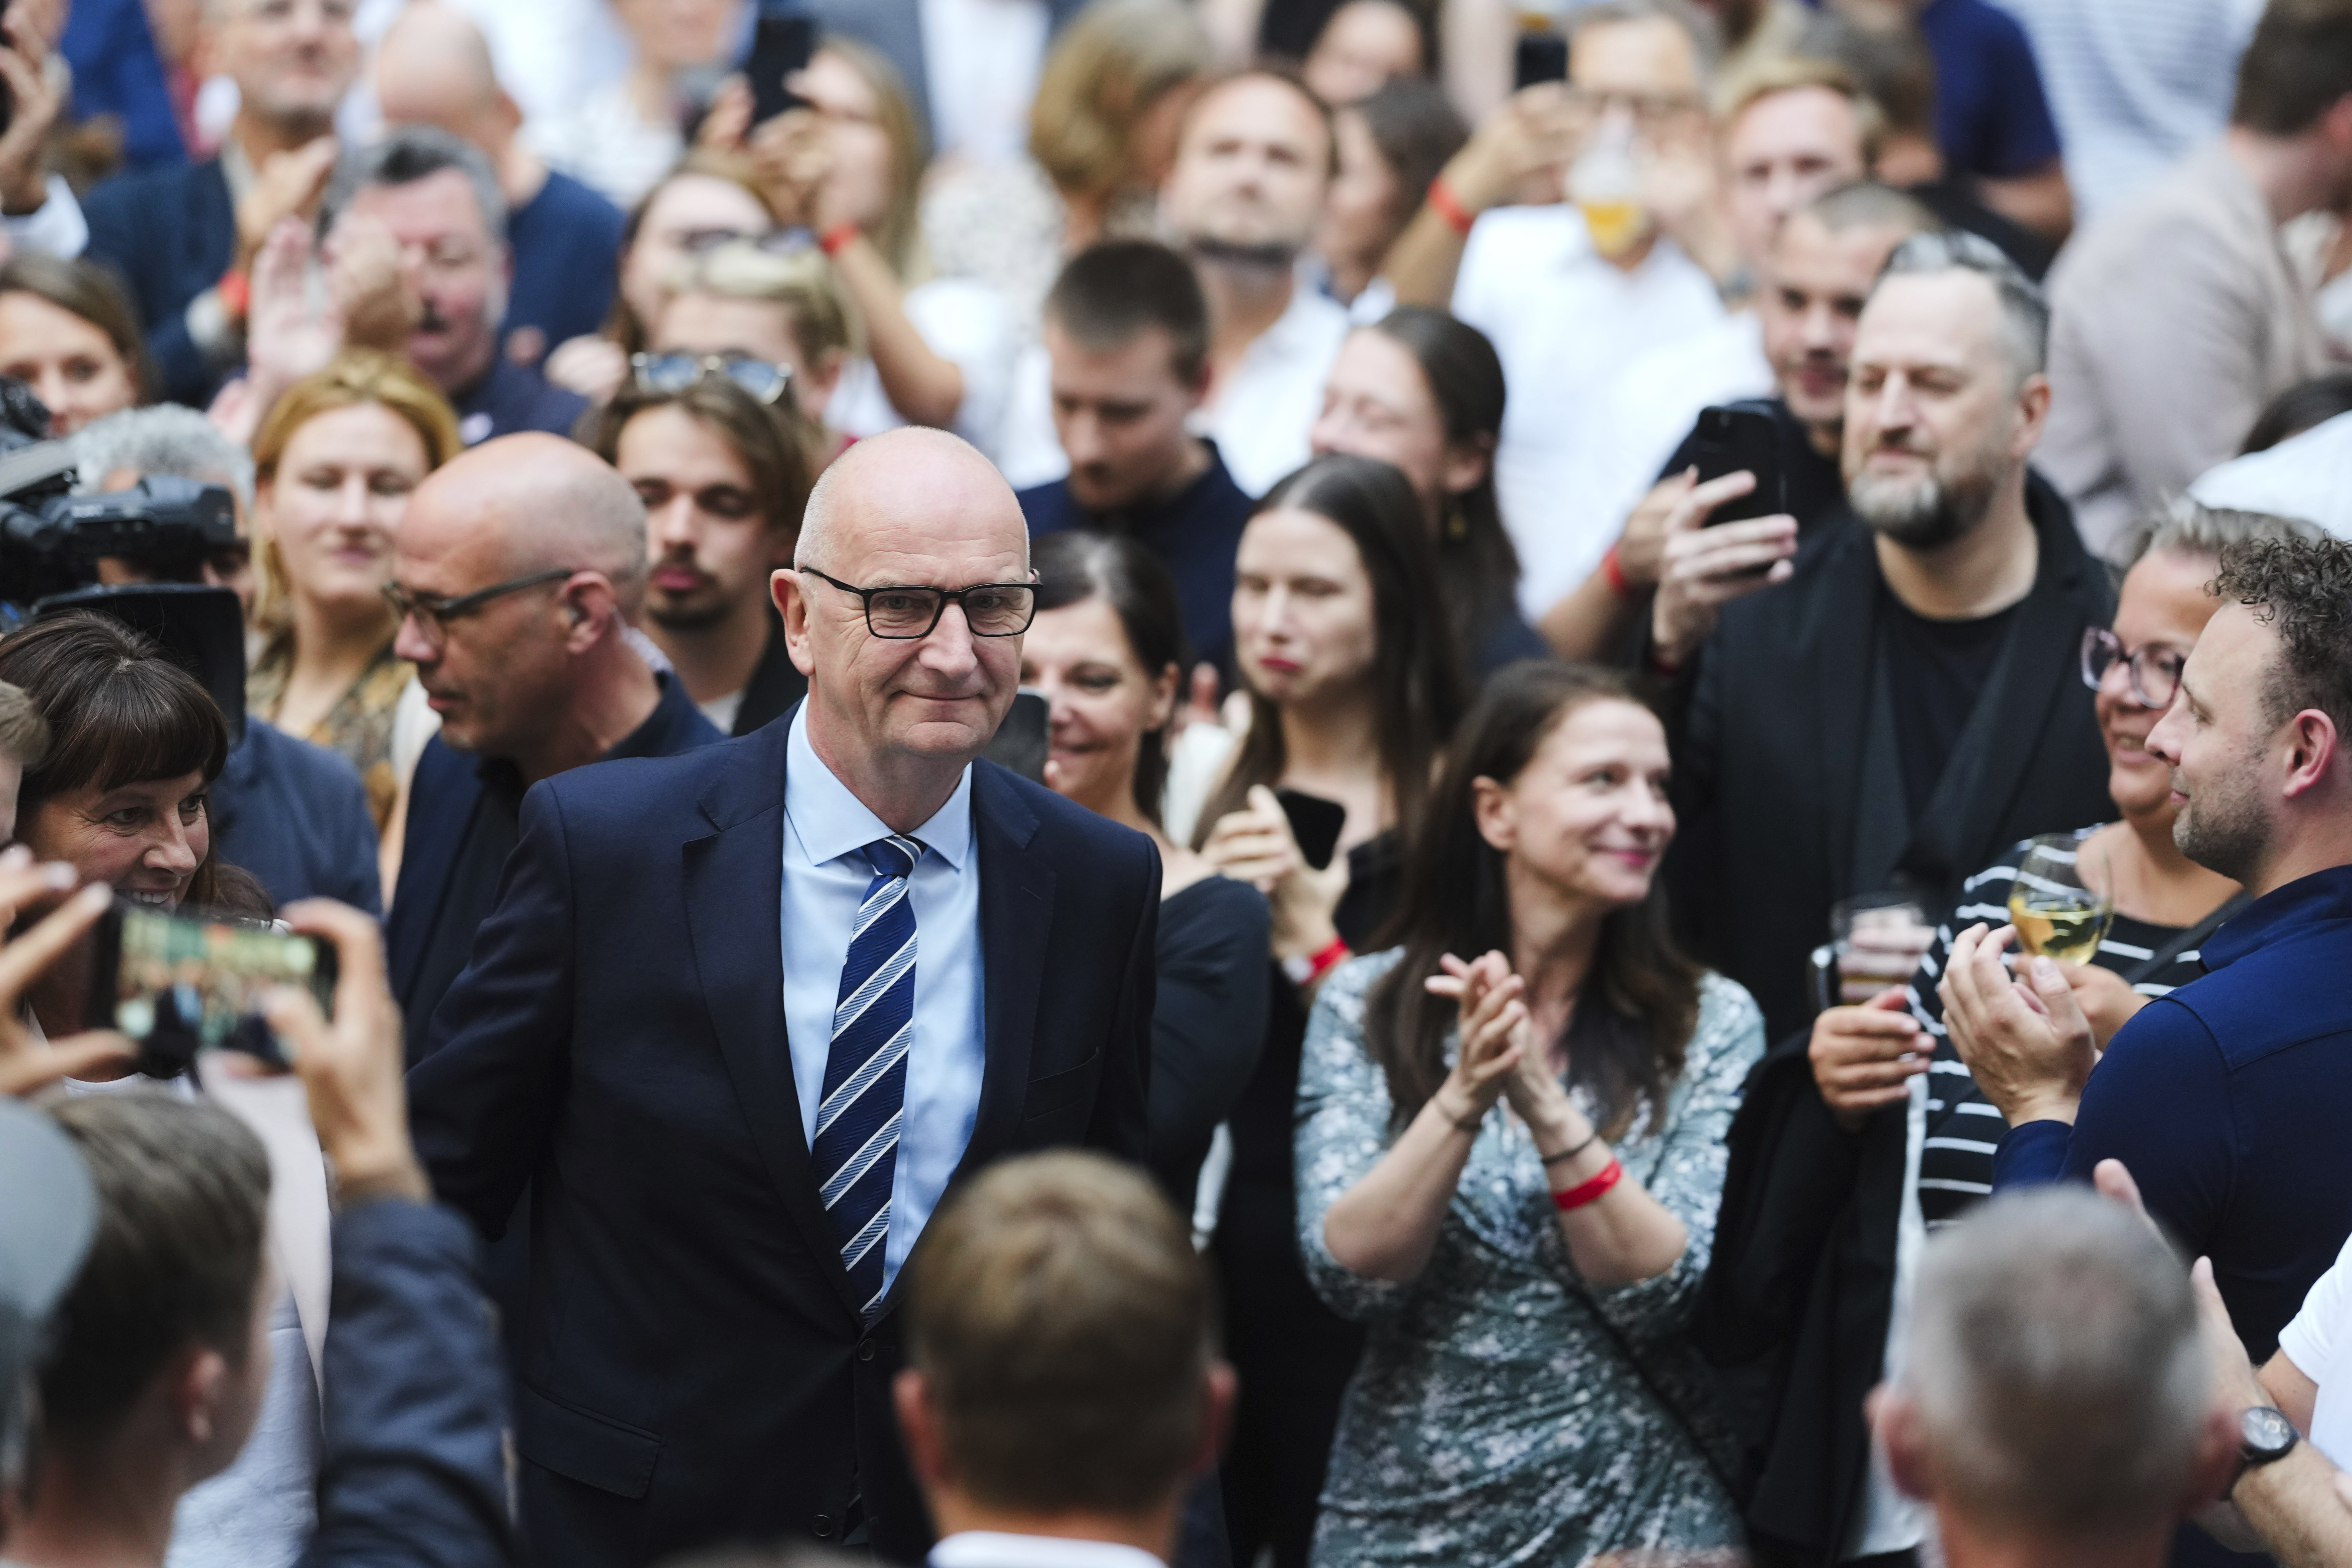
(25, 1063)
(179, 983)
(782, 45)
(1315, 822)
(1738, 438)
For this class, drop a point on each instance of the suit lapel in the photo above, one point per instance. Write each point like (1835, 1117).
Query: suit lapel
(441, 807)
(735, 920)
(1016, 910)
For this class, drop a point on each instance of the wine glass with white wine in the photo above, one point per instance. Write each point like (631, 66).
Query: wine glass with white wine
(2063, 900)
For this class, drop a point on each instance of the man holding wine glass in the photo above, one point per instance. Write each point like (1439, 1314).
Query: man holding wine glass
(2137, 909)
(2225, 1097)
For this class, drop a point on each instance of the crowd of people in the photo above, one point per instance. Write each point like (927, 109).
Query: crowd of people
(1228, 784)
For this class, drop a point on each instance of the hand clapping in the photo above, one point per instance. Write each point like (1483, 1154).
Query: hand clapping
(2030, 1047)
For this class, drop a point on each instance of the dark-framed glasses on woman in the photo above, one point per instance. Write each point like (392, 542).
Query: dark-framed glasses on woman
(2152, 669)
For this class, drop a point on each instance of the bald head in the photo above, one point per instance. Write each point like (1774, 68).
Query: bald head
(434, 68)
(910, 477)
(532, 503)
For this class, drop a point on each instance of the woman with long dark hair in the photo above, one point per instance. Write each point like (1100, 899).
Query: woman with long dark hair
(1424, 392)
(1344, 647)
(1510, 1151)
(1106, 649)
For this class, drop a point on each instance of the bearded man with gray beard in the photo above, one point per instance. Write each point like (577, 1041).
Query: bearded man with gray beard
(1909, 703)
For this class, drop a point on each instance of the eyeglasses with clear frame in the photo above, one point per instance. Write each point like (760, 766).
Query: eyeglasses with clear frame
(907, 614)
(2152, 670)
(432, 613)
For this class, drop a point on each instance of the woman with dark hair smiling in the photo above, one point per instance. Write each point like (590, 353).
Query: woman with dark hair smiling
(1343, 645)
(1524, 1395)
(1106, 649)
(1424, 392)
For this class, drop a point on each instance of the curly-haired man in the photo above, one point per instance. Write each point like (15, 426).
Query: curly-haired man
(2225, 1098)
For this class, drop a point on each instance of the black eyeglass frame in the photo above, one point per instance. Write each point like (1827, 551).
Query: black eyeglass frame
(941, 598)
(433, 612)
(2103, 650)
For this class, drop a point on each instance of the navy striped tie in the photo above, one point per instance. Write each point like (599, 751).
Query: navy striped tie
(856, 1149)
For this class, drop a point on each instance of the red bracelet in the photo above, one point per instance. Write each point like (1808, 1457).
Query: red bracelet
(1335, 953)
(1613, 570)
(235, 290)
(1447, 206)
(833, 239)
(1584, 1193)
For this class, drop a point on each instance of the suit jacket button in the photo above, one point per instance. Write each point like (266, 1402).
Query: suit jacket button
(865, 1349)
(821, 1526)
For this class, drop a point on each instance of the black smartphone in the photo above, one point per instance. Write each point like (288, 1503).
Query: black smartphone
(1315, 822)
(181, 983)
(1538, 57)
(1742, 437)
(1020, 743)
(780, 45)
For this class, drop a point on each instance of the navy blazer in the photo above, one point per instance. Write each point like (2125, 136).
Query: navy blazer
(691, 1365)
(171, 233)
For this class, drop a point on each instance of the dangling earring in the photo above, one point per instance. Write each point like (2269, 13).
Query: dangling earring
(1457, 521)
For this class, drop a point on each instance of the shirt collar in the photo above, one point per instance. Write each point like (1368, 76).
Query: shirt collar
(998, 1549)
(2322, 896)
(832, 822)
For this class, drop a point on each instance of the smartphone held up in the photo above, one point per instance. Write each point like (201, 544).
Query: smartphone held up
(181, 983)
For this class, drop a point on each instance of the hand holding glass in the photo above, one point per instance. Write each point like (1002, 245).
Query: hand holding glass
(2060, 903)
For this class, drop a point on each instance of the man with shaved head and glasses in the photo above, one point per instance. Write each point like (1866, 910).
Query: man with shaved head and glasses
(742, 1017)
(515, 571)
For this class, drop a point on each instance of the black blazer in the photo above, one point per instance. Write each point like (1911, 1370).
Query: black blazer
(692, 1366)
(1789, 792)
(171, 233)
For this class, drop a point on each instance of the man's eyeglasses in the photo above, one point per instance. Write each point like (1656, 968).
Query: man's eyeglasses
(1648, 110)
(2153, 668)
(904, 615)
(670, 374)
(432, 613)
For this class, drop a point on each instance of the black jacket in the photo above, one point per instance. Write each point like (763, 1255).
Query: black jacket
(1787, 783)
(693, 1364)
(1779, 759)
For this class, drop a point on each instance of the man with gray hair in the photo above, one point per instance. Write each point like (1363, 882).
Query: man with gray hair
(440, 201)
(516, 568)
(2051, 1400)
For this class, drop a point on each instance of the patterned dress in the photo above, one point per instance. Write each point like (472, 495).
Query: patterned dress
(1505, 1412)
(360, 724)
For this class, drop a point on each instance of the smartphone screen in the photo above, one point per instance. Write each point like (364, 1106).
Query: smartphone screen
(180, 983)
(780, 45)
(1733, 439)
(1315, 822)
(1020, 743)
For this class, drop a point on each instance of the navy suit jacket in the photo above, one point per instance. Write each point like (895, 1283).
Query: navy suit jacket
(171, 232)
(691, 1366)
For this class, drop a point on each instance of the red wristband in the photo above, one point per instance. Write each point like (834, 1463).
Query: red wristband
(1335, 953)
(235, 290)
(1613, 570)
(833, 239)
(1584, 1193)
(1447, 206)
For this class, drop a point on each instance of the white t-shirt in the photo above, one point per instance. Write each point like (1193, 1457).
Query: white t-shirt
(2321, 1330)
(1658, 401)
(961, 319)
(1261, 415)
(1567, 325)
(982, 59)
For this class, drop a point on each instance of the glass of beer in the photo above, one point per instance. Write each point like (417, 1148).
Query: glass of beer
(1876, 940)
(2062, 902)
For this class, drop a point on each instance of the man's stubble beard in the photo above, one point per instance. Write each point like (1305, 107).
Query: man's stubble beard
(2223, 828)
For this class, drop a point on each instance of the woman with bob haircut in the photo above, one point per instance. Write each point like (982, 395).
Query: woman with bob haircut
(1510, 1152)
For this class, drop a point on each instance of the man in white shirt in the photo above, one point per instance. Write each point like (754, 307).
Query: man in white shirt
(1254, 164)
(1063, 1388)
(1568, 317)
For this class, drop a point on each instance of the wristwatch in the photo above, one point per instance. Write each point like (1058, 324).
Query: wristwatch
(2265, 1437)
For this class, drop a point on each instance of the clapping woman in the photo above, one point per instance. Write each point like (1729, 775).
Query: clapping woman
(1510, 1150)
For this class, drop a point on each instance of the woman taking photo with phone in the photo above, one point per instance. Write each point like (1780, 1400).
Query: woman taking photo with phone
(1344, 646)
(1107, 650)
(1510, 1150)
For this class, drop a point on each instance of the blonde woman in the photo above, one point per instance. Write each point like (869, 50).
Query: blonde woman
(778, 317)
(334, 462)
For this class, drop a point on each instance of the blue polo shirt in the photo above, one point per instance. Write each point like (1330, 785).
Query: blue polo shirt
(511, 398)
(1991, 115)
(2228, 1099)
(1196, 532)
(567, 245)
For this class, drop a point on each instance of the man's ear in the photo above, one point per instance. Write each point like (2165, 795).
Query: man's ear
(2034, 415)
(919, 1423)
(792, 603)
(197, 1379)
(2313, 751)
(592, 608)
(1895, 1423)
(1224, 1388)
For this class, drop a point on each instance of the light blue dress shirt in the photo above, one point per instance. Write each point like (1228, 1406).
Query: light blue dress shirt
(824, 881)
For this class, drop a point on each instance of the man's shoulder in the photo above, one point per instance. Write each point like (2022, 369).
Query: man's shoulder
(1047, 508)
(307, 770)
(1065, 830)
(2192, 210)
(570, 207)
(622, 790)
(2263, 1002)
(152, 195)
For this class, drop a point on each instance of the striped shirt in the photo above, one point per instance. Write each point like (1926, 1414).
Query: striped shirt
(1963, 1127)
